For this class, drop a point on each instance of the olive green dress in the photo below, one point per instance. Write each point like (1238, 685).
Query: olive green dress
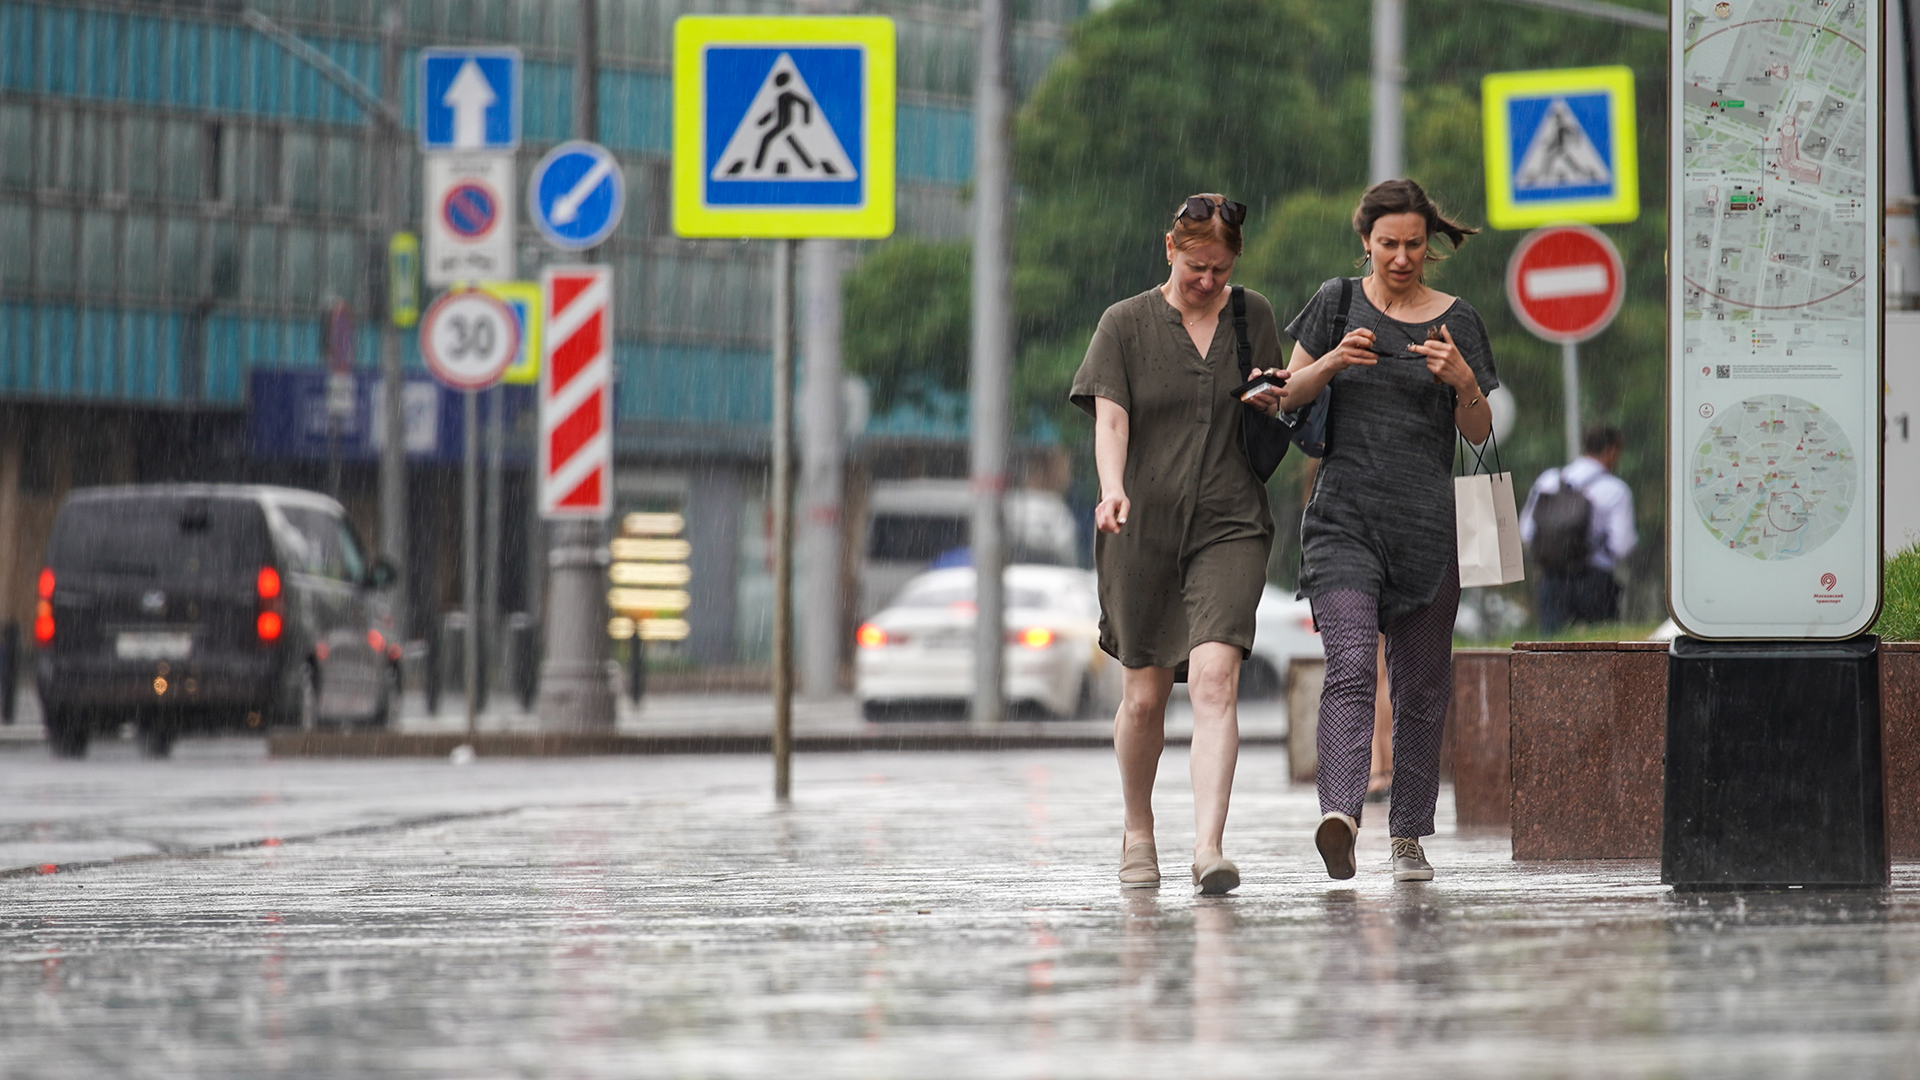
(1189, 564)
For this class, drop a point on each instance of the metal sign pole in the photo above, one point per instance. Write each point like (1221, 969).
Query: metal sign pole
(470, 559)
(783, 517)
(393, 453)
(992, 353)
(1570, 374)
(490, 552)
(812, 194)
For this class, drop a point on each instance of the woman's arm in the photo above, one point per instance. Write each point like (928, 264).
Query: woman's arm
(1110, 431)
(1306, 376)
(1471, 413)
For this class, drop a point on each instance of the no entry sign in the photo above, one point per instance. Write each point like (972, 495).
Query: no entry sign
(1565, 283)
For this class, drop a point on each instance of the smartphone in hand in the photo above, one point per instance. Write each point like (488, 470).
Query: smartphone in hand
(1265, 380)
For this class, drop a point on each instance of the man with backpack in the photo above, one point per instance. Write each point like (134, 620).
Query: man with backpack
(1579, 525)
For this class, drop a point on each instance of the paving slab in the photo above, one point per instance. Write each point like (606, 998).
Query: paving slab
(927, 915)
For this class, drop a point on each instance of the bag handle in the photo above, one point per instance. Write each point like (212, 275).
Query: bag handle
(1479, 453)
(1239, 303)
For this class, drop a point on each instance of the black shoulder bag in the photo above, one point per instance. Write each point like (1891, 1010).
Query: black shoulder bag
(1263, 437)
(1309, 425)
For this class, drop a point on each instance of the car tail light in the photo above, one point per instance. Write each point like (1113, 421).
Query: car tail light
(268, 624)
(375, 642)
(1034, 637)
(870, 636)
(43, 610)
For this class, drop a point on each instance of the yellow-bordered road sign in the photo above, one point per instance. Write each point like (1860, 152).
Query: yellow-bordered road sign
(523, 299)
(403, 280)
(1560, 147)
(783, 126)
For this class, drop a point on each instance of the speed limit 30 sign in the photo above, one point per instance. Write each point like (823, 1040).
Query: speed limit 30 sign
(469, 339)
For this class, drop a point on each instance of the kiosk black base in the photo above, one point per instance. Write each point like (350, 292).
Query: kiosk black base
(1774, 765)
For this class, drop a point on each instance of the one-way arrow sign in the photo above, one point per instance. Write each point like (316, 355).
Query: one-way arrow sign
(469, 99)
(470, 96)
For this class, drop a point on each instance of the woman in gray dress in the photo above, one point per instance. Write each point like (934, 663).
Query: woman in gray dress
(1184, 528)
(1409, 366)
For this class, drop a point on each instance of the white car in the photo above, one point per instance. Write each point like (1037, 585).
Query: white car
(918, 651)
(1283, 629)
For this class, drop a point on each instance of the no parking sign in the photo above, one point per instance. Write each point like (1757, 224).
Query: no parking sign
(469, 216)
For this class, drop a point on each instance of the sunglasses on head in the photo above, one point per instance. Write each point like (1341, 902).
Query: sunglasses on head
(1200, 208)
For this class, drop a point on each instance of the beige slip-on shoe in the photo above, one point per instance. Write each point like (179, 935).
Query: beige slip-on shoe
(1216, 878)
(1140, 866)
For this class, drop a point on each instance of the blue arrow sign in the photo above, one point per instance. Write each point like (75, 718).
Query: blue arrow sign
(469, 99)
(577, 195)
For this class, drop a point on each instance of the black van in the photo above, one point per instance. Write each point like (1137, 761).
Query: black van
(185, 607)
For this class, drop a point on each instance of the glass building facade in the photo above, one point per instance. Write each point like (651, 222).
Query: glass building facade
(182, 200)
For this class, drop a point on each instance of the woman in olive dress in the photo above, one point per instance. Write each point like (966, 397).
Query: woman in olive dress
(1184, 528)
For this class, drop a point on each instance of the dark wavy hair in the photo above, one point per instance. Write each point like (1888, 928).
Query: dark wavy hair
(1390, 197)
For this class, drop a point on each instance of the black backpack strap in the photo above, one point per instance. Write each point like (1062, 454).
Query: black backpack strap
(1346, 303)
(1240, 336)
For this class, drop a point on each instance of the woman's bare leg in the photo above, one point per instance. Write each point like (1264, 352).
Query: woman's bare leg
(1213, 682)
(1381, 777)
(1139, 734)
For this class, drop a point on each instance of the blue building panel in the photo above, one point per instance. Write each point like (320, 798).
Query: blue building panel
(693, 384)
(935, 144)
(636, 112)
(546, 114)
(16, 47)
(176, 63)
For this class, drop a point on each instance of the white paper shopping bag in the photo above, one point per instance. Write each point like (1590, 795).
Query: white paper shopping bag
(1506, 512)
(1477, 529)
(1487, 528)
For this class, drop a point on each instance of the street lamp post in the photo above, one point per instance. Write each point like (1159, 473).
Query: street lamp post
(992, 350)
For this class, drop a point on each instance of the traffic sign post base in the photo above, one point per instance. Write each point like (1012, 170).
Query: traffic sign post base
(576, 691)
(1774, 767)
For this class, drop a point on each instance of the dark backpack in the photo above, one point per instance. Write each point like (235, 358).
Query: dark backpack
(1562, 529)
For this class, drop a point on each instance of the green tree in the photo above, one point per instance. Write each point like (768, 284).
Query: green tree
(1267, 100)
(909, 318)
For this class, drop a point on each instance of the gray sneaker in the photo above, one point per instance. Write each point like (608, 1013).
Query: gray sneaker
(1409, 862)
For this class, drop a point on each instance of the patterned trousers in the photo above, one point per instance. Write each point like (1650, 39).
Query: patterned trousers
(1420, 671)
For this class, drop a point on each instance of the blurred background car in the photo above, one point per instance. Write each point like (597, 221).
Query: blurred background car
(915, 656)
(1283, 629)
(188, 607)
(916, 525)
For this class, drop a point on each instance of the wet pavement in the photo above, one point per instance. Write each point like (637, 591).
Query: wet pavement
(925, 915)
(706, 714)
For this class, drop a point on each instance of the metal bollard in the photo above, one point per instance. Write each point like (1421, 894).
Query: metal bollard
(9, 668)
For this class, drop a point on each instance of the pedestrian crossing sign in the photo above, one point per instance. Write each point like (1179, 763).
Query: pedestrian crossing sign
(1560, 147)
(783, 126)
